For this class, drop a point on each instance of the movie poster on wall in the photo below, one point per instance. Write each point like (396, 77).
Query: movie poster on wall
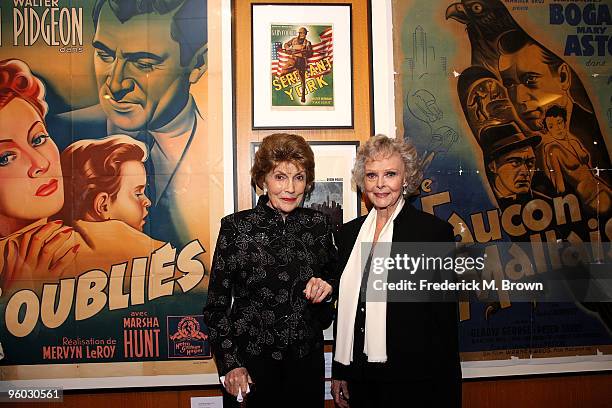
(104, 213)
(297, 61)
(509, 104)
(302, 66)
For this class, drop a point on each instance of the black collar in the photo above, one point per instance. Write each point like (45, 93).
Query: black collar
(262, 205)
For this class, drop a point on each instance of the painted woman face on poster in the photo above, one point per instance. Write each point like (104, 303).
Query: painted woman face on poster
(27, 154)
(31, 173)
(523, 87)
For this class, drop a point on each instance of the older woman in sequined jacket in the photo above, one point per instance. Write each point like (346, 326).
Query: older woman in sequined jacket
(277, 261)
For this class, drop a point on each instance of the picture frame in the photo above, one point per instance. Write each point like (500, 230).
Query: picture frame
(334, 193)
(295, 44)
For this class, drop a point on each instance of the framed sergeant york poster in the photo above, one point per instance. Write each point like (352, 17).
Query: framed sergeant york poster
(105, 162)
(301, 66)
(509, 104)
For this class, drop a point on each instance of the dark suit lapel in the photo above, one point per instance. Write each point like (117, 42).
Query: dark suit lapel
(406, 225)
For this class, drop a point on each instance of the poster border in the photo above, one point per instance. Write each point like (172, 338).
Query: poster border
(205, 376)
(263, 118)
(383, 79)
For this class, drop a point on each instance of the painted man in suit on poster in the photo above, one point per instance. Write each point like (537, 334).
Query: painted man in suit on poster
(147, 54)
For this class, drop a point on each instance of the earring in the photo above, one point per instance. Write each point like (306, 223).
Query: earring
(265, 189)
(405, 188)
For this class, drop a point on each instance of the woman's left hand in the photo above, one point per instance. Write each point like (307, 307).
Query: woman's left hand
(317, 290)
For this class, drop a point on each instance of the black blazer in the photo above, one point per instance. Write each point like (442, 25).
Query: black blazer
(264, 263)
(422, 338)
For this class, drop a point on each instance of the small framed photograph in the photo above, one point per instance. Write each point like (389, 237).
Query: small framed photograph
(302, 66)
(333, 193)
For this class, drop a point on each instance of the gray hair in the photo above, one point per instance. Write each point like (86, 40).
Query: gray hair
(382, 146)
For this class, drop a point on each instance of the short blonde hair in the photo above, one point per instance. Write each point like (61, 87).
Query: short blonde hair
(382, 146)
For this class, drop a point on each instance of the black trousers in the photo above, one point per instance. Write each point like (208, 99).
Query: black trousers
(436, 393)
(286, 383)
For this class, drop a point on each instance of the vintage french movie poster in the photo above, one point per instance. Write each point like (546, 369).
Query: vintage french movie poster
(302, 65)
(104, 210)
(509, 101)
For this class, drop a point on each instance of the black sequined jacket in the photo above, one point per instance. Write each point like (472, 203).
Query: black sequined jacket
(264, 262)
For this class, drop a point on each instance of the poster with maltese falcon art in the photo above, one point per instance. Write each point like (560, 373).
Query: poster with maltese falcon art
(509, 104)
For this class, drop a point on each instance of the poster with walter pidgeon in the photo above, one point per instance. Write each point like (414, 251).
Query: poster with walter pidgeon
(509, 104)
(104, 189)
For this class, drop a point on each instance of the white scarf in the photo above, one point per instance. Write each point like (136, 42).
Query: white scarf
(375, 346)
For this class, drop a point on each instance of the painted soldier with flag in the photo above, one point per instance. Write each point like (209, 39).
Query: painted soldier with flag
(300, 67)
(299, 50)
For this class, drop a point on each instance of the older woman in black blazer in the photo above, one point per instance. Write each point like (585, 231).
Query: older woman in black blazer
(278, 263)
(390, 354)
